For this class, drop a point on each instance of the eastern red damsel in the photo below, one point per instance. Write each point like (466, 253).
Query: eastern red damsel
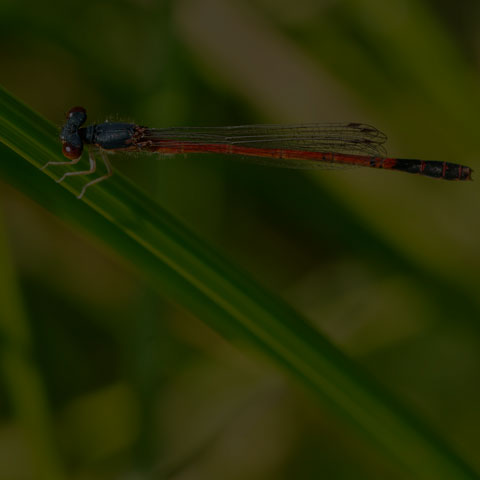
(295, 146)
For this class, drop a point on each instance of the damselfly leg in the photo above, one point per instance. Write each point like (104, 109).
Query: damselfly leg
(92, 169)
(109, 173)
(72, 162)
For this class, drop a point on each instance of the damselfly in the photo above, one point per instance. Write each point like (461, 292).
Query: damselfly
(294, 146)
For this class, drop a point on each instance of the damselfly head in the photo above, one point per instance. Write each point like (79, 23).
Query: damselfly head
(70, 135)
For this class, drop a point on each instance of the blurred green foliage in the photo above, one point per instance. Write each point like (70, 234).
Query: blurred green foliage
(386, 265)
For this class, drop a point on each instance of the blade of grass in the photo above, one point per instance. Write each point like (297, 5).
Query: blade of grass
(188, 272)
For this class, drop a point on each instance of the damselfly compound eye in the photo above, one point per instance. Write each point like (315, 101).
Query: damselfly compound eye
(72, 152)
(74, 110)
(76, 117)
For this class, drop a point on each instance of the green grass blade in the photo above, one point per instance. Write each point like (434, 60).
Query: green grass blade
(188, 272)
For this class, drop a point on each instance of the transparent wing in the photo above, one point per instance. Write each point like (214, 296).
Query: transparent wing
(347, 138)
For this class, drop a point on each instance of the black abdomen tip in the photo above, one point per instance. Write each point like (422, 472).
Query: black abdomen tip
(448, 171)
(434, 169)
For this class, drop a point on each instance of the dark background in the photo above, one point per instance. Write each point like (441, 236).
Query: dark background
(385, 264)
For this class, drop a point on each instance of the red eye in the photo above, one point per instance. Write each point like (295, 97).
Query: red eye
(76, 110)
(71, 151)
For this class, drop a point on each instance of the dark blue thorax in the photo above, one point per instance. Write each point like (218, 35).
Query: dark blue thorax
(109, 136)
